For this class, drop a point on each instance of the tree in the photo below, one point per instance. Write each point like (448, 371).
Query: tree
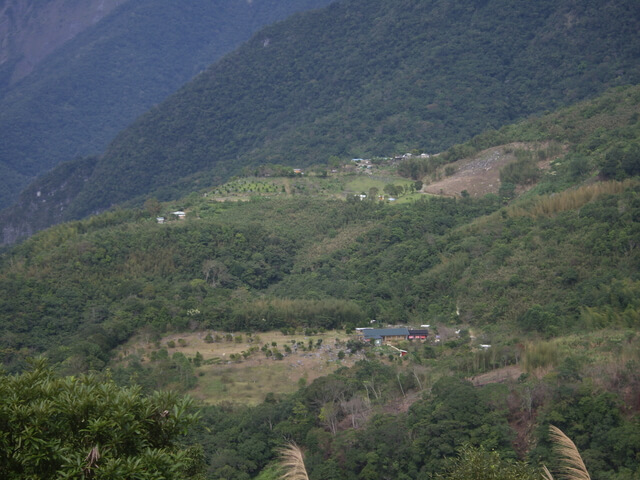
(476, 463)
(455, 415)
(334, 162)
(88, 427)
(356, 408)
(537, 319)
(329, 416)
(215, 272)
(390, 189)
(630, 161)
(507, 191)
(152, 206)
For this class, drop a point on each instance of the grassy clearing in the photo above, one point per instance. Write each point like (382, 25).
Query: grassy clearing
(249, 383)
(605, 355)
(546, 206)
(362, 183)
(412, 197)
(248, 380)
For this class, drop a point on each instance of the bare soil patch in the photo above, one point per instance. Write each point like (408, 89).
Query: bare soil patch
(478, 175)
(499, 375)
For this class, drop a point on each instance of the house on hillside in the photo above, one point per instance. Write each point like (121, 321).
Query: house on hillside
(385, 336)
(420, 334)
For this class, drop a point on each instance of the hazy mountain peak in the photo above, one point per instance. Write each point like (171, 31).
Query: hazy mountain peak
(31, 30)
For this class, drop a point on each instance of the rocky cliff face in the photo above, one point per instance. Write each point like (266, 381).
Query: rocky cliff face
(30, 29)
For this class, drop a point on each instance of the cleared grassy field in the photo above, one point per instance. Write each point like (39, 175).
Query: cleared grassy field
(363, 183)
(225, 375)
(412, 197)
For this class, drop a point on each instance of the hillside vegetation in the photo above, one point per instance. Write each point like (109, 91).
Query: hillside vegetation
(363, 78)
(531, 293)
(546, 263)
(80, 96)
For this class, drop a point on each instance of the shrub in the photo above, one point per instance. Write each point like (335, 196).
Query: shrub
(87, 426)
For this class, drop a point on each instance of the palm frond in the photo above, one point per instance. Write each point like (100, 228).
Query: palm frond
(571, 465)
(292, 461)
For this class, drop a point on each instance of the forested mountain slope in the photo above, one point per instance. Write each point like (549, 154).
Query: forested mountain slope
(364, 78)
(80, 96)
(558, 257)
(542, 280)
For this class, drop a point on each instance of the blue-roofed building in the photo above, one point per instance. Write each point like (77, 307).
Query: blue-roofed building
(381, 336)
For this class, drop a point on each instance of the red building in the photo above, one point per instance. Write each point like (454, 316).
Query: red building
(418, 334)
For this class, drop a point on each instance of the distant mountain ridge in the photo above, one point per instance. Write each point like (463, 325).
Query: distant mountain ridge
(78, 97)
(356, 78)
(30, 31)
